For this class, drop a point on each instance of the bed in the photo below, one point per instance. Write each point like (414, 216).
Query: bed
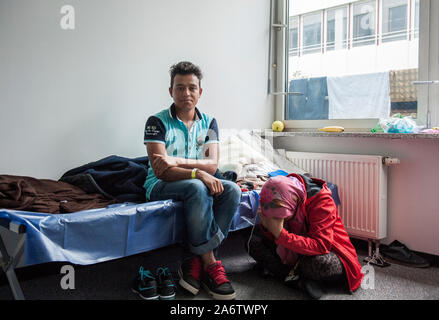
(98, 235)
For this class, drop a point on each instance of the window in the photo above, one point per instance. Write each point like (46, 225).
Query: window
(312, 33)
(336, 28)
(394, 17)
(294, 36)
(351, 63)
(364, 18)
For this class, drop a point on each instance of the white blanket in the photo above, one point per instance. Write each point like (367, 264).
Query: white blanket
(362, 96)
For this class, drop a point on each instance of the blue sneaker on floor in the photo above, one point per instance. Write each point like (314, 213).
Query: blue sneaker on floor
(145, 285)
(166, 286)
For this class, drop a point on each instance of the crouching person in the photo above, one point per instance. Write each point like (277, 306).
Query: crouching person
(301, 239)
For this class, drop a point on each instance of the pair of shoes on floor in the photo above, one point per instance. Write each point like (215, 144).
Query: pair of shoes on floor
(399, 252)
(150, 287)
(213, 279)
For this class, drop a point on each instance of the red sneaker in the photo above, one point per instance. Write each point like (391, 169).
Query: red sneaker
(190, 274)
(215, 282)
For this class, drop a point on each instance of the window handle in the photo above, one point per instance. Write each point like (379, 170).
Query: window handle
(287, 93)
(279, 26)
(425, 82)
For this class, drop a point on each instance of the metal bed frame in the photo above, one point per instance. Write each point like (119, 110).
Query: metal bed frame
(8, 262)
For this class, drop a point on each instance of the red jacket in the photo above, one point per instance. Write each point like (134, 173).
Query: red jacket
(325, 231)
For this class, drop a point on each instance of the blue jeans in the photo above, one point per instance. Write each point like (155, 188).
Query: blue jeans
(208, 218)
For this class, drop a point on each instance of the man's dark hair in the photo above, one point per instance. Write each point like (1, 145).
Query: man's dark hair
(184, 68)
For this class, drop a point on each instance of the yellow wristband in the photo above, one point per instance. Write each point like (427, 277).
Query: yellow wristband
(194, 172)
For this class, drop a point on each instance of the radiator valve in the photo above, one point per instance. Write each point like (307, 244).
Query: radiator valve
(390, 161)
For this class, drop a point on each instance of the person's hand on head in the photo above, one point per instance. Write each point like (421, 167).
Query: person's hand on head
(273, 225)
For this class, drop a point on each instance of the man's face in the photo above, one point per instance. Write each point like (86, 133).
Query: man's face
(186, 91)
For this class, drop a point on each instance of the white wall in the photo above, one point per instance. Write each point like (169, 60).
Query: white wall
(413, 205)
(69, 97)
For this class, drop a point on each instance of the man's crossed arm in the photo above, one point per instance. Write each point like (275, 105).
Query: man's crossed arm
(169, 168)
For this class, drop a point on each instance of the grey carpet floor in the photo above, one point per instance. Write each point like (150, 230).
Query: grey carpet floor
(111, 280)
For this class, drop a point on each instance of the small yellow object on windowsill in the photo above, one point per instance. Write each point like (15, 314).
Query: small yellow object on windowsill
(332, 129)
(278, 126)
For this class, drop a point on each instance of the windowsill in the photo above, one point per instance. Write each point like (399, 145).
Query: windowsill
(269, 133)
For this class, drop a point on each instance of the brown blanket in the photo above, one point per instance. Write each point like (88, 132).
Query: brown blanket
(47, 196)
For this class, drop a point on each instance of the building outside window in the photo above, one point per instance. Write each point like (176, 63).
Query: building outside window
(364, 23)
(368, 63)
(293, 36)
(336, 28)
(312, 33)
(395, 20)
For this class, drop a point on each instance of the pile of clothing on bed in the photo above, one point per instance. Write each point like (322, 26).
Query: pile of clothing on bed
(251, 159)
(97, 184)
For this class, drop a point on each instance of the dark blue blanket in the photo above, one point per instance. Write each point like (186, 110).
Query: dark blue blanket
(115, 177)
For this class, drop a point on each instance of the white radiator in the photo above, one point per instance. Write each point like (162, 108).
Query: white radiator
(362, 186)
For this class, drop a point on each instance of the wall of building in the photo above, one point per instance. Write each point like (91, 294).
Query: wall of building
(398, 55)
(304, 6)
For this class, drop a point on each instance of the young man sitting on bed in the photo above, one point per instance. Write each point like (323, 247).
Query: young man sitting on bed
(183, 150)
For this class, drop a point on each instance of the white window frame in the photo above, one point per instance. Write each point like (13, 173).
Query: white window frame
(412, 29)
(428, 99)
(410, 8)
(428, 95)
